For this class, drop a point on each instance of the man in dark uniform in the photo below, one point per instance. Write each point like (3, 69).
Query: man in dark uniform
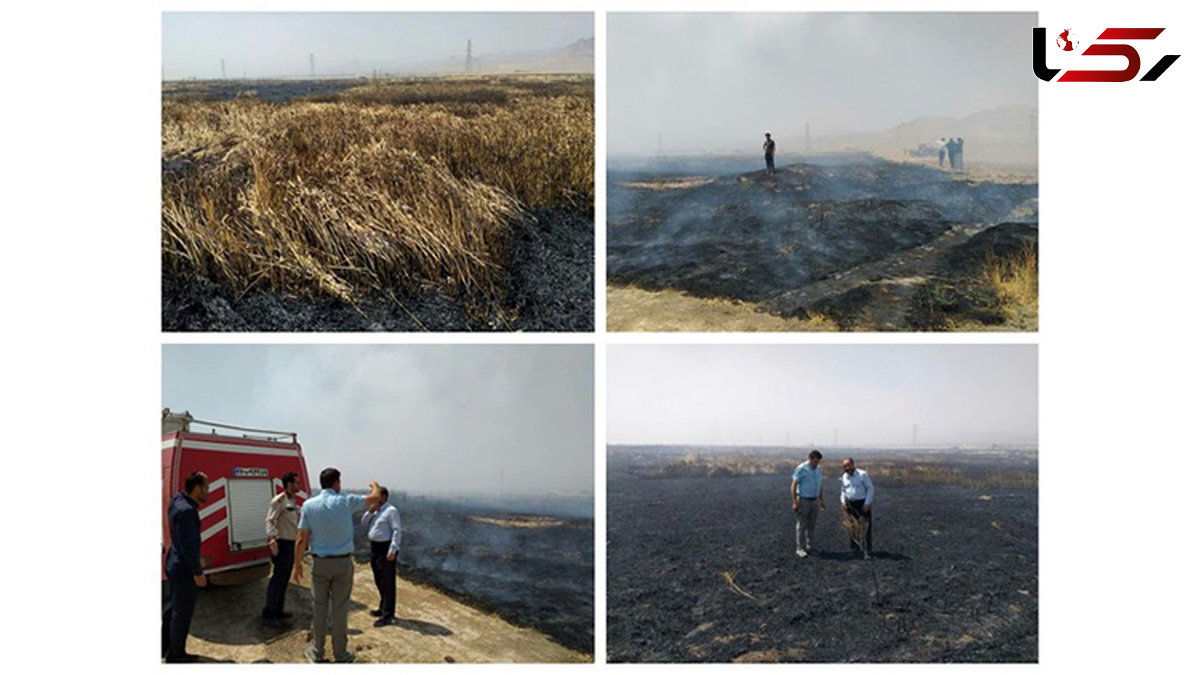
(769, 153)
(184, 572)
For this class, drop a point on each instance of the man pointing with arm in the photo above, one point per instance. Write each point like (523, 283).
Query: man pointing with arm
(327, 530)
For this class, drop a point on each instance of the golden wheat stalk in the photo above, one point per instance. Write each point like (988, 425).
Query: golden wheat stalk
(730, 577)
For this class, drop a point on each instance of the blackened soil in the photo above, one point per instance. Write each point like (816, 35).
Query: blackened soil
(756, 237)
(549, 288)
(957, 288)
(956, 571)
(541, 577)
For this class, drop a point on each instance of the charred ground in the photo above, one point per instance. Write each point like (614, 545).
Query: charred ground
(869, 243)
(703, 569)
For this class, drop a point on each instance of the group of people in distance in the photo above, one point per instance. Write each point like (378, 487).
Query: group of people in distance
(947, 148)
(952, 149)
(857, 495)
(323, 527)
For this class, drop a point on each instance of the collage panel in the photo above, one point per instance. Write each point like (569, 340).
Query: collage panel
(433, 502)
(378, 172)
(822, 503)
(866, 171)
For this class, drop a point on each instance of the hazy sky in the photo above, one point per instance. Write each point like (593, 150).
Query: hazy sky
(277, 44)
(716, 82)
(871, 394)
(428, 419)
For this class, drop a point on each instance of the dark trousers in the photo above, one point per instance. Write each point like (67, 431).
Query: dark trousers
(770, 163)
(385, 577)
(855, 508)
(177, 617)
(281, 569)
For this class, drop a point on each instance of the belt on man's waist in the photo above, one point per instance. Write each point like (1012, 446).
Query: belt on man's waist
(332, 557)
(809, 499)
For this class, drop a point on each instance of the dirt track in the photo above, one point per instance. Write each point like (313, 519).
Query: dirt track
(432, 628)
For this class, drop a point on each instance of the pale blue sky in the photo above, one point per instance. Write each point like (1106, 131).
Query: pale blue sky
(714, 81)
(277, 44)
(429, 419)
(871, 394)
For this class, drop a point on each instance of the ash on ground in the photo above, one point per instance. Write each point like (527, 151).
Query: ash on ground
(549, 288)
(954, 577)
(864, 241)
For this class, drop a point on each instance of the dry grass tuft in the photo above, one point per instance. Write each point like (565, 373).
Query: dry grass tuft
(857, 528)
(1015, 281)
(400, 185)
(731, 579)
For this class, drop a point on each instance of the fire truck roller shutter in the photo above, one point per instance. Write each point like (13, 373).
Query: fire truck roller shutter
(248, 502)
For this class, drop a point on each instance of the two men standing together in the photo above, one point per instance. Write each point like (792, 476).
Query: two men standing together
(857, 495)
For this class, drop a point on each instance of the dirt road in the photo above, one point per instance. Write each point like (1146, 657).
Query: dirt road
(432, 628)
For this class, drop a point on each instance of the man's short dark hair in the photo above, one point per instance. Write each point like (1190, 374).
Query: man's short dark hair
(329, 477)
(290, 477)
(815, 454)
(383, 493)
(193, 479)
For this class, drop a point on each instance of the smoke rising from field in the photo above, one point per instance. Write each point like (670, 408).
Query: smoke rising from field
(814, 394)
(463, 420)
(715, 82)
(278, 44)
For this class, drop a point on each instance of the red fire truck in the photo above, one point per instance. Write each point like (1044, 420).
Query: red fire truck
(244, 468)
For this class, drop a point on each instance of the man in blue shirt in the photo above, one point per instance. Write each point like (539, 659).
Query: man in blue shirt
(184, 571)
(807, 501)
(383, 529)
(327, 530)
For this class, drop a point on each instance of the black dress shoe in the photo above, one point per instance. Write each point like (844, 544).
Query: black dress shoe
(385, 621)
(377, 612)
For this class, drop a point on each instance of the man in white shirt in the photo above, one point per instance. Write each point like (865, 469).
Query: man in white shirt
(383, 529)
(858, 493)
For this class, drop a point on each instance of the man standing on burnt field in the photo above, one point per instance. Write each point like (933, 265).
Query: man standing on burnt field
(807, 501)
(858, 492)
(769, 153)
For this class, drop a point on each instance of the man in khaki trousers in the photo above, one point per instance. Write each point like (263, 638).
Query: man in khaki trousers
(327, 531)
(807, 501)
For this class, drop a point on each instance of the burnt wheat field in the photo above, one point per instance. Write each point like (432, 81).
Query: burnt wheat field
(702, 564)
(843, 242)
(453, 203)
(533, 570)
